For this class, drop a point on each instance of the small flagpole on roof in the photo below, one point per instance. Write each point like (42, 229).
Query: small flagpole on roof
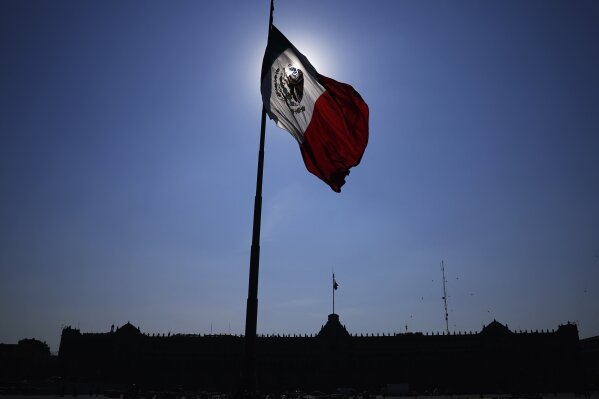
(251, 315)
(335, 286)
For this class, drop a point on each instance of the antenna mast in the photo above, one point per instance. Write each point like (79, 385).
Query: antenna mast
(445, 297)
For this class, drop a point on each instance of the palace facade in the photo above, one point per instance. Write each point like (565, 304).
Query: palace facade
(492, 360)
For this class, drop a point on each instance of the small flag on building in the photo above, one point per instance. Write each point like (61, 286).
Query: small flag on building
(335, 285)
(329, 119)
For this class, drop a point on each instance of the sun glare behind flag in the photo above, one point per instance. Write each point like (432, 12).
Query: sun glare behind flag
(329, 119)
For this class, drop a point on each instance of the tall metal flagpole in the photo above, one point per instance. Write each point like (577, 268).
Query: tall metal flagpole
(251, 314)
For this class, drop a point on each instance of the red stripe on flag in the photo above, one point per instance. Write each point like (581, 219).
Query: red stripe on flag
(337, 135)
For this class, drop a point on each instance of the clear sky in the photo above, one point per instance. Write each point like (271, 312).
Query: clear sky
(128, 151)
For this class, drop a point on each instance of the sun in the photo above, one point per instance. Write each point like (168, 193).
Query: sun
(317, 52)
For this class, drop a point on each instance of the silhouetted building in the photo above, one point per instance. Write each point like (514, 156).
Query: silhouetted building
(29, 359)
(492, 360)
(590, 361)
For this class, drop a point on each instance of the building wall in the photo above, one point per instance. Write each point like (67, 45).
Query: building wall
(493, 360)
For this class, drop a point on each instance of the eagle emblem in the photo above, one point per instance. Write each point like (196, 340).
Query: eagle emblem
(288, 83)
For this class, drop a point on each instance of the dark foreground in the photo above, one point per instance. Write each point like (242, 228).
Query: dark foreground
(295, 395)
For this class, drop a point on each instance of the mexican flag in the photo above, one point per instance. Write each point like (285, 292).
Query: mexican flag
(329, 119)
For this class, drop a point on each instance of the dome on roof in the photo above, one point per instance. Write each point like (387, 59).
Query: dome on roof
(128, 329)
(495, 328)
(333, 329)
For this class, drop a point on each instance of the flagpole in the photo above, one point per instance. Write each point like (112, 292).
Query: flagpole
(333, 293)
(251, 315)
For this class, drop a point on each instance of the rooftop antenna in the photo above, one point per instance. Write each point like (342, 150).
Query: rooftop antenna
(445, 297)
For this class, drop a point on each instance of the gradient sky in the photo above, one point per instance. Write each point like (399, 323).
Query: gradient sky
(128, 151)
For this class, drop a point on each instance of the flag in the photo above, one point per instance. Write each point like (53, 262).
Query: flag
(329, 119)
(335, 285)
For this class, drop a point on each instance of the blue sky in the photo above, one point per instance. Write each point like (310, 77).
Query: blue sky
(128, 148)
